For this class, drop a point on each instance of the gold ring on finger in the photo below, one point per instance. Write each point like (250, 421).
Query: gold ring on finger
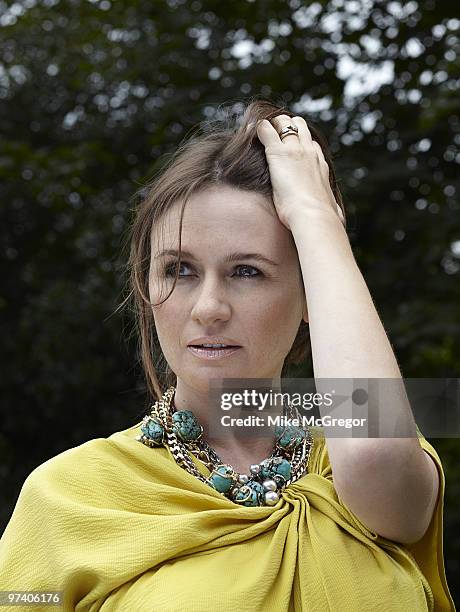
(289, 129)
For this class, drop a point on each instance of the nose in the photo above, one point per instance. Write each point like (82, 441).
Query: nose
(210, 303)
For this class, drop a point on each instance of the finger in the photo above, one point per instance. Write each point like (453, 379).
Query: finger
(267, 134)
(341, 215)
(283, 121)
(318, 150)
(324, 167)
(304, 132)
(321, 159)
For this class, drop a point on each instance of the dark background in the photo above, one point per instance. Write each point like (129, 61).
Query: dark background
(93, 97)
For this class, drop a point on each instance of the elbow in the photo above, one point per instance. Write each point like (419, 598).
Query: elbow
(394, 502)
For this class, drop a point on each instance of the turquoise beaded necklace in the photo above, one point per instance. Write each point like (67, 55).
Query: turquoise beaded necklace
(181, 432)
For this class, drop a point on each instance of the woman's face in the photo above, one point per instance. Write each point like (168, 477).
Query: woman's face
(256, 305)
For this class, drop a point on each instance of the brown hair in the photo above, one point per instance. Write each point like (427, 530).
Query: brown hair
(226, 152)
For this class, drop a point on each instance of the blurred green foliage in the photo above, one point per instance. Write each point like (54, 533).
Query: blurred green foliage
(93, 96)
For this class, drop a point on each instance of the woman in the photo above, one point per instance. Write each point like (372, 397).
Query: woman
(243, 229)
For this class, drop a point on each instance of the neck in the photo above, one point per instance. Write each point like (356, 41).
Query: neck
(234, 444)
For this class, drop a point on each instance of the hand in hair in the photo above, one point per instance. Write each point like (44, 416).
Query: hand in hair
(299, 172)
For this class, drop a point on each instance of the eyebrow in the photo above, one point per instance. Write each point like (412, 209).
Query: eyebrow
(231, 257)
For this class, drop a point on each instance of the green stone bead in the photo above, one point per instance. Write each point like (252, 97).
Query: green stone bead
(186, 426)
(266, 472)
(222, 478)
(283, 468)
(153, 430)
(289, 437)
(251, 494)
(277, 469)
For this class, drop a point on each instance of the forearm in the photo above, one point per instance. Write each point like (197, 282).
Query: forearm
(347, 337)
(348, 340)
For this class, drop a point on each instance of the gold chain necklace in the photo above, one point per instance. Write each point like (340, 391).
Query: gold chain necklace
(181, 432)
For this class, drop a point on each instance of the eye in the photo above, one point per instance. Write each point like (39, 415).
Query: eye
(249, 268)
(170, 270)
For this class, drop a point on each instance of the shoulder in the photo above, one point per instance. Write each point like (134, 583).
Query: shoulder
(73, 458)
(75, 470)
(97, 465)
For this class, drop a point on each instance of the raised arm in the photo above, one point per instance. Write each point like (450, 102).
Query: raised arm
(391, 484)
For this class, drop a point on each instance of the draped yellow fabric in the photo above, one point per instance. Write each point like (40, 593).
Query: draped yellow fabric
(116, 525)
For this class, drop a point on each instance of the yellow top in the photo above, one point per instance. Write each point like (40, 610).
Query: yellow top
(117, 525)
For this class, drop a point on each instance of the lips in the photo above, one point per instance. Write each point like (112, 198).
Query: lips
(202, 340)
(213, 353)
(214, 347)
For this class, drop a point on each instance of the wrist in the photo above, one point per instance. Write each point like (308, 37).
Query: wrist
(308, 216)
